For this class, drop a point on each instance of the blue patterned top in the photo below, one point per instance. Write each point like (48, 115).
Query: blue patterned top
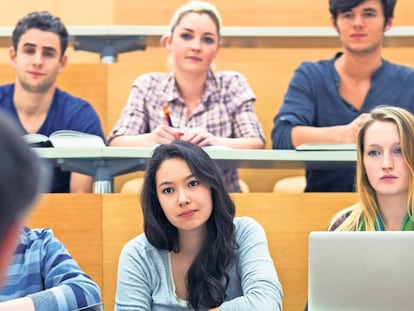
(42, 269)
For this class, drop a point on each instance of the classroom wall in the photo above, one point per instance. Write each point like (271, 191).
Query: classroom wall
(159, 12)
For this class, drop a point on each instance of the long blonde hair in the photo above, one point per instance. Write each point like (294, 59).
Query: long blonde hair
(364, 214)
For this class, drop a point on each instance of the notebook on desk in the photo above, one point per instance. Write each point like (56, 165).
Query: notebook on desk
(326, 147)
(361, 271)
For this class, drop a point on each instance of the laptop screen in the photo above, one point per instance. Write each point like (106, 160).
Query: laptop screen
(361, 271)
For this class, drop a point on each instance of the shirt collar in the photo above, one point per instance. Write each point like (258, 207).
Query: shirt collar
(171, 93)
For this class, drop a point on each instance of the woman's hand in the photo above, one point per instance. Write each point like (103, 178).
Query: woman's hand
(164, 134)
(200, 137)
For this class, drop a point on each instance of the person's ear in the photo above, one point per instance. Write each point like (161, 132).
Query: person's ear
(62, 64)
(167, 42)
(13, 55)
(389, 24)
(334, 23)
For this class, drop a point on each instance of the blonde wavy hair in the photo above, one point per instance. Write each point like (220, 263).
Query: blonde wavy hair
(197, 7)
(364, 213)
(200, 7)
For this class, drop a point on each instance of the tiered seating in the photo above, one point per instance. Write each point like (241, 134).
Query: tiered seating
(95, 227)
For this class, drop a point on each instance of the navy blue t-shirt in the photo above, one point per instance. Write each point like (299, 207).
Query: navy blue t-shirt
(65, 113)
(313, 99)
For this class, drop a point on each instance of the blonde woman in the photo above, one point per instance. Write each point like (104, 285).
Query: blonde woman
(203, 107)
(385, 174)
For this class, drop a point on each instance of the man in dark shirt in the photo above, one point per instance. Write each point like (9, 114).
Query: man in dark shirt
(33, 100)
(327, 101)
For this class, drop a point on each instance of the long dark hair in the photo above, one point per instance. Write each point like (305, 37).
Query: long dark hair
(207, 278)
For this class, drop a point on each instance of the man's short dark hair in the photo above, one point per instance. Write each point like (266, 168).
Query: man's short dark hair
(43, 21)
(341, 6)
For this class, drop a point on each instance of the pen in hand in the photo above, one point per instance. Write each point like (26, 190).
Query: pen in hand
(167, 117)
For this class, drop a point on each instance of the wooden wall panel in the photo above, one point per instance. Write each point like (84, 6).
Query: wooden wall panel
(72, 12)
(245, 13)
(76, 220)
(122, 221)
(159, 12)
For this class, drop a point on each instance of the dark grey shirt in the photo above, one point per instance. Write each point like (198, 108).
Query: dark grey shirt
(313, 99)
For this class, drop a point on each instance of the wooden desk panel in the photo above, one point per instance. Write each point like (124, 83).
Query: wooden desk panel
(122, 221)
(287, 220)
(76, 220)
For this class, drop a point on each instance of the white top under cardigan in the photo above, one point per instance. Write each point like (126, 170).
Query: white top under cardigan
(145, 280)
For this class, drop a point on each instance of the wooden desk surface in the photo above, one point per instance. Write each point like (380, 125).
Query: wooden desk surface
(237, 158)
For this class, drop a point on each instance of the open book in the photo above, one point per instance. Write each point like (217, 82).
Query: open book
(64, 138)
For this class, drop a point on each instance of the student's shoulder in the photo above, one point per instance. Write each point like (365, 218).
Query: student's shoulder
(6, 91)
(152, 77)
(340, 217)
(28, 236)
(64, 97)
(71, 105)
(227, 75)
(316, 66)
(7, 88)
(246, 225)
(229, 80)
(140, 245)
(398, 69)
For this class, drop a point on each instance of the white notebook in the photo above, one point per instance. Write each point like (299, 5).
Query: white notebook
(326, 146)
(64, 138)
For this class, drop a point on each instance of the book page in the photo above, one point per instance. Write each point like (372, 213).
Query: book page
(37, 140)
(68, 138)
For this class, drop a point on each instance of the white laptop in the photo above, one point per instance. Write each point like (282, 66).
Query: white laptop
(361, 271)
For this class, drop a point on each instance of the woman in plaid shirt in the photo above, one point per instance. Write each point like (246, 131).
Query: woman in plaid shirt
(206, 108)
